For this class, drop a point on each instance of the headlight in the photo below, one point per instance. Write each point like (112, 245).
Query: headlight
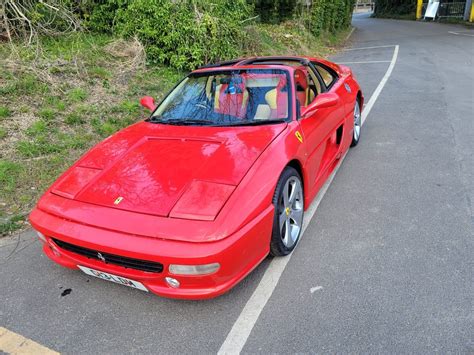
(202, 200)
(194, 269)
(41, 237)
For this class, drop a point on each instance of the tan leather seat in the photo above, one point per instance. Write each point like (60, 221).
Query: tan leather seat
(263, 112)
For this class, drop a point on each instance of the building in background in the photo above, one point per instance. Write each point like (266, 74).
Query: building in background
(364, 6)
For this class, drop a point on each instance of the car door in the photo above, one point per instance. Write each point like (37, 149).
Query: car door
(322, 131)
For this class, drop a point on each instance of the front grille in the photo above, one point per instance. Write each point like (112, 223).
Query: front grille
(128, 263)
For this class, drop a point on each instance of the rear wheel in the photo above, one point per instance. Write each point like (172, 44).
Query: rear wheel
(357, 124)
(289, 209)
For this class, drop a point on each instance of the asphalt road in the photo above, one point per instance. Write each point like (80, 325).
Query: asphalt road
(384, 266)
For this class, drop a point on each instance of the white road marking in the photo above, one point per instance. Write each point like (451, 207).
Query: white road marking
(382, 83)
(461, 34)
(367, 62)
(373, 47)
(350, 33)
(314, 289)
(238, 335)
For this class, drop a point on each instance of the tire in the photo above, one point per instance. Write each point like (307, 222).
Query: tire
(289, 211)
(357, 124)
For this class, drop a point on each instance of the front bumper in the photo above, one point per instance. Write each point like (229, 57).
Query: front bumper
(237, 254)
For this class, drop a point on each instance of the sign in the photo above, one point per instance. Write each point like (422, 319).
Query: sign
(432, 9)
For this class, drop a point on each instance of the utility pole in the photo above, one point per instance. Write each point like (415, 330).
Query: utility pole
(469, 11)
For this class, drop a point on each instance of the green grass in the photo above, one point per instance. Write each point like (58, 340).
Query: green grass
(4, 112)
(13, 224)
(8, 174)
(46, 114)
(77, 95)
(46, 125)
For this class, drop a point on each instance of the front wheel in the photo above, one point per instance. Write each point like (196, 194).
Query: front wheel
(357, 124)
(289, 209)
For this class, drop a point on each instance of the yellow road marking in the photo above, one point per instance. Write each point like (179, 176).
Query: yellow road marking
(13, 343)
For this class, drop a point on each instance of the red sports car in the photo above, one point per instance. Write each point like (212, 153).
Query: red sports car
(188, 202)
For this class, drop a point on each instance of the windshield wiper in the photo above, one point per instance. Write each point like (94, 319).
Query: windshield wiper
(256, 122)
(183, 122)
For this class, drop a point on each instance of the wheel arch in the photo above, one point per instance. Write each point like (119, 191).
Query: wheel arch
(296, 164)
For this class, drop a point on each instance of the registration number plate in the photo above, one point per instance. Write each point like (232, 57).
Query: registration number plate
(113, 278)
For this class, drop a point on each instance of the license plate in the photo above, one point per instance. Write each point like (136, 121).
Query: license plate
(113, 278)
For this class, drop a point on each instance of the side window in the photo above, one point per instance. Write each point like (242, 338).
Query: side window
(328, 77)
(314, 86)
(301, 87)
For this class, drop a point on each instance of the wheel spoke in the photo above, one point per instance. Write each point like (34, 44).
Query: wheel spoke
(286, 198)
(291, 240)
(286, 233)
(297, 217)
(294, 192)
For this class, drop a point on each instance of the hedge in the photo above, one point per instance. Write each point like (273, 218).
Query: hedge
(189, 33)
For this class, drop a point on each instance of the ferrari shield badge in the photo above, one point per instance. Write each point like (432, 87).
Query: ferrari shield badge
(299, 136)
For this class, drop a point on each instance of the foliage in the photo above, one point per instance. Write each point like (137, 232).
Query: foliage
(327, 15)
(185, 34)
(29, 19)
(98, 15)
(274, 11)
(189, 33)
(384, 8)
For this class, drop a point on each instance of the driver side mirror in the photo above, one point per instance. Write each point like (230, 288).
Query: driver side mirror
(148, 102)
(324, 100)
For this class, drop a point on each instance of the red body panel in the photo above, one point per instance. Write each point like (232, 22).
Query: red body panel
(192, 195)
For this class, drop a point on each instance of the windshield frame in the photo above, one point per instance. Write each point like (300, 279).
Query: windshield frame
(288, 72)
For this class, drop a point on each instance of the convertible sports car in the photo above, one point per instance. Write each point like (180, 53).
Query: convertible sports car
(188, 202)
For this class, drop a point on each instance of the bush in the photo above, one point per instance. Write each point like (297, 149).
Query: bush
(182, 33)
(99, 15)
(29, 19)
(274, 11)
(188, 33)
(328, 15)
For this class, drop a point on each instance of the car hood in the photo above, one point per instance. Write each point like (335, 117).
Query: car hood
(147, 167)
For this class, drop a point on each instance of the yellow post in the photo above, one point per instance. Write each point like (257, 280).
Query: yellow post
(419, 8)
(471, 18)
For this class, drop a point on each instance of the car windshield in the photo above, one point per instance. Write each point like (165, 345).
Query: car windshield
(224, 98)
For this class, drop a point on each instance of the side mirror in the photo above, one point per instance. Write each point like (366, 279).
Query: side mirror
(324, 100)
(148, 102)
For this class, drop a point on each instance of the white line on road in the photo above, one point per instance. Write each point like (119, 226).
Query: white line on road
(238, 335)
(350, 33)
(382, 83)
(367, 62)
(461, 34)
(373, 47)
